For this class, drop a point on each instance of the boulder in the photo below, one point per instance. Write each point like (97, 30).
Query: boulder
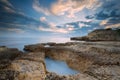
(28, 66)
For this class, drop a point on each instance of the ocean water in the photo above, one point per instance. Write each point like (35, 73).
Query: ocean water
(58, 67)
(20, 42)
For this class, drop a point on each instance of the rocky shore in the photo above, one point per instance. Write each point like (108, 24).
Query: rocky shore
(98, 60)
(101, 35)
(16, 65)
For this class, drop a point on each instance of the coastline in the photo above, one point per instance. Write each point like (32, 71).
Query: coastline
(94, 61)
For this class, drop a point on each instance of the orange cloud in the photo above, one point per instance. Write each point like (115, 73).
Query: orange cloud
(113, 26)
(70, 7)
(67, 7)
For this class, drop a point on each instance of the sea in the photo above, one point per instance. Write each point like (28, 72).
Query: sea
(58, 67)
(19, 43)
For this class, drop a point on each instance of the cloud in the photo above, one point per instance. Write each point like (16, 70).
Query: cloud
(81, 25)
(16, 30)
(12, 20)
(108, 14)
(70, 27)
(38, 8)
(71, 7)
(7, 3)
(113, 26)
(20, 23)
(103, 22)
(67, 8)
(8, 9)
(6, 6)
(108, 9)
(89, 17)
(43, 19)
(52, 27)
(56, 30)
(111, 23)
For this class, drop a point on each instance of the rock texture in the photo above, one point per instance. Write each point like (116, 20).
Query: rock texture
(25, 67)
(101, 35)
(94, 60)
(80, 76)
(100, 60)
(7, 55)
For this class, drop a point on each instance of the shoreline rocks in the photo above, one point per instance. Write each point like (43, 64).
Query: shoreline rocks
(87, 57)
(99, 60)
(94, 60)
(100, 35)
(28, 66)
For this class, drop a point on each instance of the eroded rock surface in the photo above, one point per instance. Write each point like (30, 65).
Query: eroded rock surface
(94, 60)
(28, 66)
(100, 60)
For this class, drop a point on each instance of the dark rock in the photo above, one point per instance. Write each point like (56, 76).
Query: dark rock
(8, 75)
(9, 53)
(34, 48)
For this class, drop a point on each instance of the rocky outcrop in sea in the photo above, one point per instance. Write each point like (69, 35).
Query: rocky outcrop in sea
(101, 35)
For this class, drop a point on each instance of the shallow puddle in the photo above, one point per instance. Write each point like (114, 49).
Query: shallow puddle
(59, 67)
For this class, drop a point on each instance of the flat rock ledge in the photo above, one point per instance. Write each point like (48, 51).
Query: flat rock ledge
(94, 60)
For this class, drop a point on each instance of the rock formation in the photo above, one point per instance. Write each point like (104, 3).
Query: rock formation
(99, 60)
(101, 35)
(94, 60)
(24, 67)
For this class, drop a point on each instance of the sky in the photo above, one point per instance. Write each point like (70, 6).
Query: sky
(57, 18)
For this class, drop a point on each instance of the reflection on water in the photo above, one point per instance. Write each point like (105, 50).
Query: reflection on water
(59, 67)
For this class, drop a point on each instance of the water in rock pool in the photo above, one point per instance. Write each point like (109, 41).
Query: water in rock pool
(59, 67)
(52, 65)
